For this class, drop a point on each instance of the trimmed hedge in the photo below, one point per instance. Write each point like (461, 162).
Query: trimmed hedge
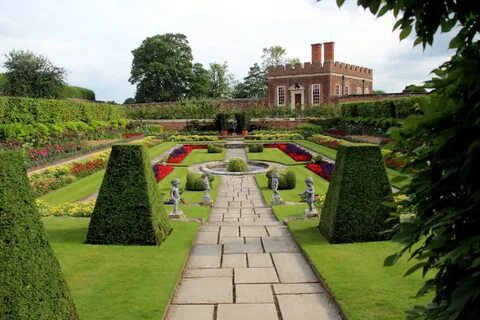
(255, 148)
(77, 93)
(354, 209)
(195, 182)
(214, 148)
(391, 108)
(31, 282)
(287, 180)
(31, 111)
(129, 208)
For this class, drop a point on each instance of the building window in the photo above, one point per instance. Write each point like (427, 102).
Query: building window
(280, 96)
(367, 91)
(347, 90)
(359, 90)
(337, 89)
(315, 93)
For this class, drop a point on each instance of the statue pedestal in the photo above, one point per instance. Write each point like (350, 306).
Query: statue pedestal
(175, 216)
(310, 214)
(276, 200)
(207, 200)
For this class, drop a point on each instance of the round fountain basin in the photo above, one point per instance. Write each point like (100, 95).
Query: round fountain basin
(220, 168)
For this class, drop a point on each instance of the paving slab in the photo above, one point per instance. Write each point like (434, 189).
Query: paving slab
(204, 291)
(234, 260)
(253, 293)
(229, 231)
(253, 231)
(296, 288)
(207, 238)
(205, 256)
(242, 248)
(207, 273)
(259, 260)
(279, 244)
(307, 307)
(265, 311)
(293, 268)
(197, 312)
(255, 275)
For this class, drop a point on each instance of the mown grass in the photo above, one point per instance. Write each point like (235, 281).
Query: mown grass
(355, 275)
(201, 155)
(119, 282)
(87, 186)
(274, 155)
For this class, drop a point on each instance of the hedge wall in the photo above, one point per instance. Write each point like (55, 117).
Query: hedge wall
(391, 108)
(77, 93)
(31, 281)
(129, 209)
(354, 209)
(30, 111)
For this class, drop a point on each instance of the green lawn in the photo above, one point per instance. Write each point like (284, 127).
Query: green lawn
(397, 179)
(89, 185)
(202, 155)
(321, 185)
(119, 282)
(355, 275)
(284, 211)
(274, 155)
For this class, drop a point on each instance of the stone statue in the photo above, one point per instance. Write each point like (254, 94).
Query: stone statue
(175, 196)
(207, 200)
(276, 198)
(309, 195)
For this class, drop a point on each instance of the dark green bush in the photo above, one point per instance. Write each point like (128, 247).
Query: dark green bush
(255, 148)
(77, 93)
(354, 209)
(287, 180)
(129, 209)
(31, 111)
(237, 165)
(243, 121)
(390, 108)
(212, 148)
(195, 182)
(31, 282)
(309, 129)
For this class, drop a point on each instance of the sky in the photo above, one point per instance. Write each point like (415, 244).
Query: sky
(93, 40)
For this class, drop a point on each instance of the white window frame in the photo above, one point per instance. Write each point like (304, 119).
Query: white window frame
(284, 95)
(337, 90)
(316, 86)
(346, 90)
(359, 90)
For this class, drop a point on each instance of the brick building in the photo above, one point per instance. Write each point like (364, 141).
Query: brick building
(318, 81)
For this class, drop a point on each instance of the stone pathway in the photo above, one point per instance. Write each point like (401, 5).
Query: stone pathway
(246, 265)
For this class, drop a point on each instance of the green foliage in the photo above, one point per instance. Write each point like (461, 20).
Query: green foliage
(273, 56)
(162, 68)
(200, 83)
(212, 148)
(254, 85)
(221, 121)
(220, 78)
(414, 89)
(287, 180)
(390, 108)
(354, 209)
(3, 83)
(31, 111)
(243, 121)
(77, 93)
(185, 109)
(195, 182)
(237, 165)
(129, 101)
(309, 129)
(129, 208)
(255, 148)
(275, 136)
(30, 75)
(31, 282)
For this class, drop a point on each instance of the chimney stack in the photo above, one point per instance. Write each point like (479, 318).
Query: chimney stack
(329, 51)
(316, 53)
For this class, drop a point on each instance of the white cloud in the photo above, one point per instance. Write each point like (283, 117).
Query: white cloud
(93, 39)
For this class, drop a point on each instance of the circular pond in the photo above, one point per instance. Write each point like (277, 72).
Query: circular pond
(220, 168)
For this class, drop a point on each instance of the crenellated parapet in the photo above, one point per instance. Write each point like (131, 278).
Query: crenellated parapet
(327, 67)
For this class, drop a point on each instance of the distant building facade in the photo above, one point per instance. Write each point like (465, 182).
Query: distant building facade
(318, 81)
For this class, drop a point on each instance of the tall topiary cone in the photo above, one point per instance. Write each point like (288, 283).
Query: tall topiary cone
(129, 208)
(31, 281)
(354, 209)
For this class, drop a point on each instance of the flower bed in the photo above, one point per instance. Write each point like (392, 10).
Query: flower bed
(395, 162)
(131, 135)
(179, 154)
(329, 143)
(323, 169)
(161, 171)
(292, 150)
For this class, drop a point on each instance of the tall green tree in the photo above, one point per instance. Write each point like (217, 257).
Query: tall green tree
(293, 61)
(31, 75)
(413, 88)
(254, 85)
(220, 79)
(161, 68)
(273, 56)
(200, 83)
(442, 235)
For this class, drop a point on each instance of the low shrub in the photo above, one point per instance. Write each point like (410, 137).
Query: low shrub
(188, 137)
(237, 165)
(77, 93)
(355, 209)
(255, 148)
(212, 148)
(74, 209)
(31, 281)
(309, 129)
(275, 136)
(129, 209)
(195, 182)
(287, 180)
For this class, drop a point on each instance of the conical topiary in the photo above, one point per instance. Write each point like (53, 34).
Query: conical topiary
(129, 208)
(31, 282)
(354, 209)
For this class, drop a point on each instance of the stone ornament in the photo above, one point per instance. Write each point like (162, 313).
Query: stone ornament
(175, 196)
(207, 200)
(276, 198)
(309, 195)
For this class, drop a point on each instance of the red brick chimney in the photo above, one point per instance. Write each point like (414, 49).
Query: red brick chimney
(316, 52)
(329, 53)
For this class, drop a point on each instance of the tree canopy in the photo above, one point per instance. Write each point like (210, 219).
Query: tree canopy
(254, 85)
(162, 68)
(31, 75)
(273, 56)
(220, 78)
(413, 88)
(200, 83)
